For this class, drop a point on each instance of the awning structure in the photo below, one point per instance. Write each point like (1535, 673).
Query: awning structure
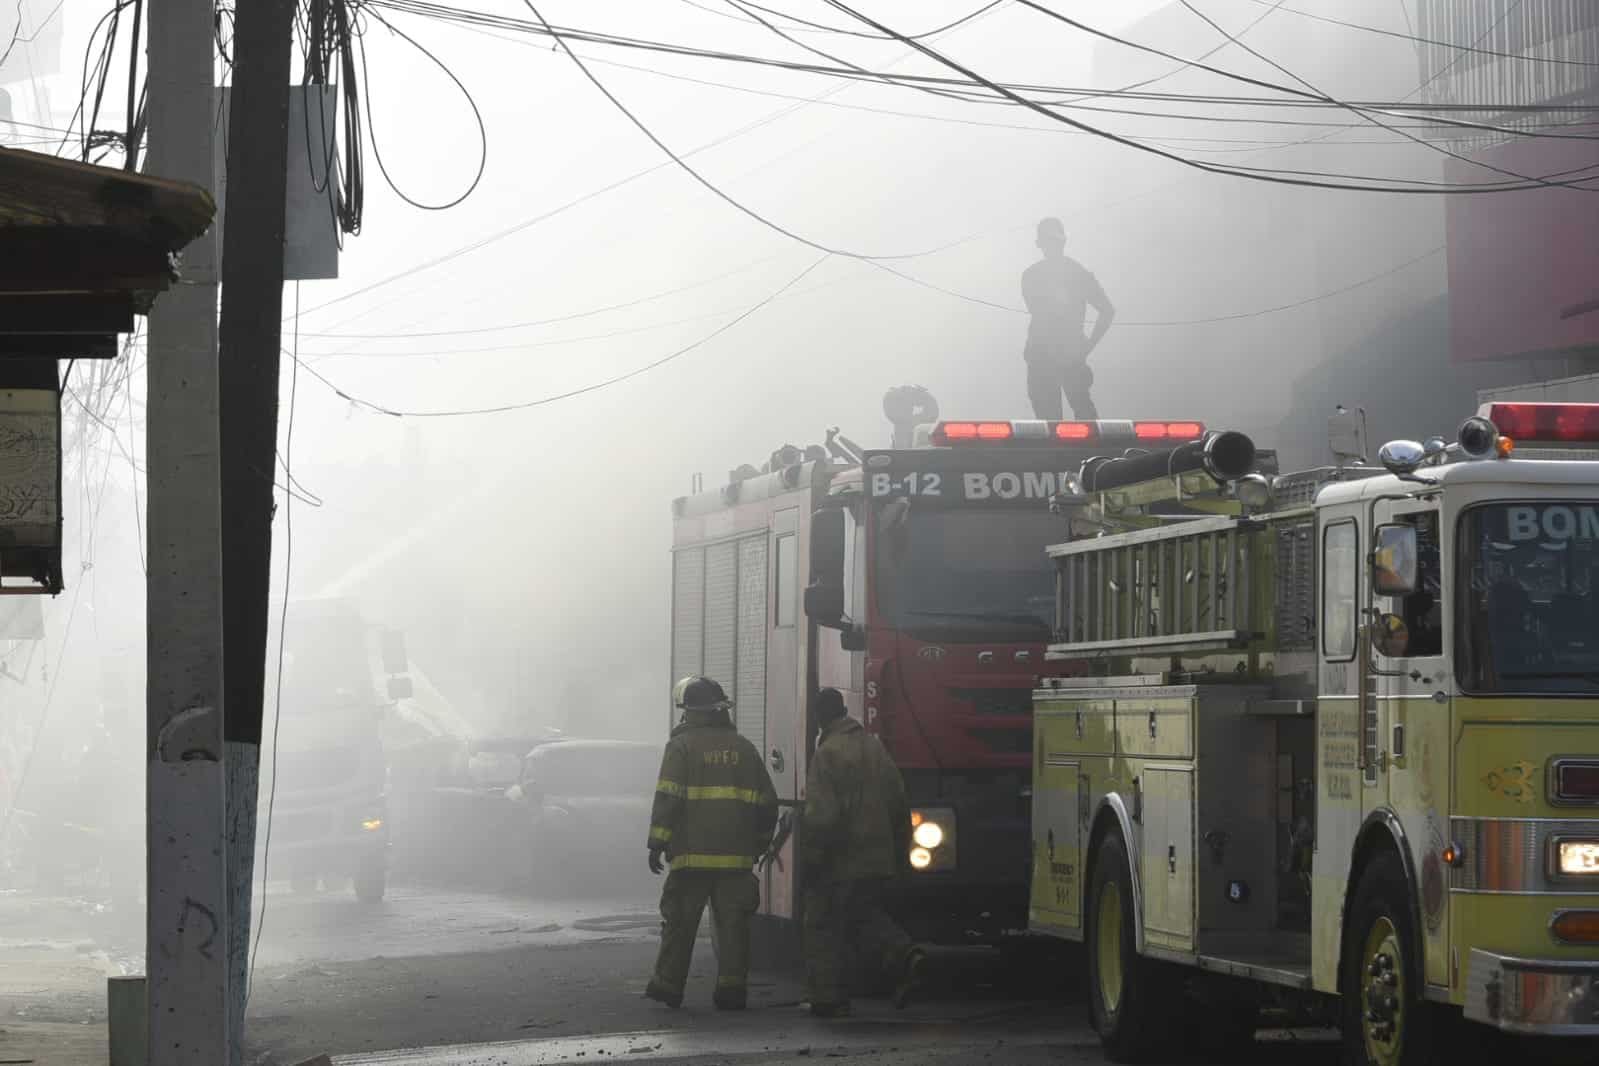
(83, 249)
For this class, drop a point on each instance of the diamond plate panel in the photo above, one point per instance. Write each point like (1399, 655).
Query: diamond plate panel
(721, 613)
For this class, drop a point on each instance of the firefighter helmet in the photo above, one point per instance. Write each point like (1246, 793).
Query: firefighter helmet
(696, 693)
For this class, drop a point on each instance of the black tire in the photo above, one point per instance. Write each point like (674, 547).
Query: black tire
(1384, 1016)
(371, 881)
(1128, 1004)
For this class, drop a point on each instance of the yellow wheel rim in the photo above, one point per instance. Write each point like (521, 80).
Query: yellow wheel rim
(1382, 993)
(1109, 947)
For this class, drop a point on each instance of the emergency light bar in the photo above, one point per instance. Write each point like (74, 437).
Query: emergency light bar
(1038, 430)
(1545, 423)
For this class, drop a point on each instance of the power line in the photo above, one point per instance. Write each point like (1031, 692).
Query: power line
(1411, 37)
(591, 312)
(529, 345)
(1301, 178)
(817, 27)
(1362, 283)
(695, 174)
(1371, 116)
(545, 216)
(440, 12)
(477, 116)
(283, 631)
(584, 390)
(1510, 9)
(1200, 321)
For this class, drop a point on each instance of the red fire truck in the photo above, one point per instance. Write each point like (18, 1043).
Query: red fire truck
(915, 581)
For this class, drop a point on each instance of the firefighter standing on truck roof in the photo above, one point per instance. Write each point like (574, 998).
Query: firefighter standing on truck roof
(855, 840)
(1058, 291)
(713, 816)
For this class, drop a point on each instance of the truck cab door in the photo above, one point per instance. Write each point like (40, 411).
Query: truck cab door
(784, 745)
(1341, 597)
(1412, 685)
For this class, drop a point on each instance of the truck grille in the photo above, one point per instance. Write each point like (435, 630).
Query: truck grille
(997, 701)
(1004, 741)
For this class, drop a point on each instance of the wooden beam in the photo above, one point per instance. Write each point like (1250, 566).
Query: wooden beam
(79, 259)
(57, 346)
(67, 312)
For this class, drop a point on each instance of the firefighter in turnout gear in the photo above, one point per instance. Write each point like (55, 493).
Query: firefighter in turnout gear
(854, 840)
(715, 808)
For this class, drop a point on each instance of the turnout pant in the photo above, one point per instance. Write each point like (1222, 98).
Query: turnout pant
(1047, 380)
(733, 896)
(846, 916)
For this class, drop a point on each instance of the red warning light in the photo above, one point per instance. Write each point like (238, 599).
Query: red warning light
(1545, 422)
(1074, 430)
(994, 430)
(1168, 430)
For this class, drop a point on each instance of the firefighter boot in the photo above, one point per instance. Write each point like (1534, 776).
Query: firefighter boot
(911, 978)
(663, 995)
(729, 996)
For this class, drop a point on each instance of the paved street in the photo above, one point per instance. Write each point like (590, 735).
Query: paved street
(435, 977)
(412, 980)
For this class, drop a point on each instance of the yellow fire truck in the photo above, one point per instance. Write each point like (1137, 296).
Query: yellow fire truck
(1340, 744)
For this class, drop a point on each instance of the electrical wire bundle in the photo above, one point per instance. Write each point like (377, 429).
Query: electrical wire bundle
(95, 143)
(329, 51)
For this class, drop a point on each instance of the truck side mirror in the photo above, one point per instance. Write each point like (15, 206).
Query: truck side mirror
(1390, 636)
(824, 596)
(1393, 561)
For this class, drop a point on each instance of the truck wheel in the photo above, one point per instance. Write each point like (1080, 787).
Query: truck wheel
(370, 881)
(1125, 991)
(1385, 1020)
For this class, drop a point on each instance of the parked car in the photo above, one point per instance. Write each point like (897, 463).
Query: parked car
(587, 805)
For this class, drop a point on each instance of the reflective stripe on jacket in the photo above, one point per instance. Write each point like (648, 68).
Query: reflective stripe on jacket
(857, 819)
(715, 806)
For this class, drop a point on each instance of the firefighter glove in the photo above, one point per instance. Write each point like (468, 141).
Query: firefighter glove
(656, 851)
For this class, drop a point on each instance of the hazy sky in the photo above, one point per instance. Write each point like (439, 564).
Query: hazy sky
(527, 552)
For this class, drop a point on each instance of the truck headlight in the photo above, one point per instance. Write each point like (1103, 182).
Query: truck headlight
(372, 825)
(1578, 858)
(933, 838)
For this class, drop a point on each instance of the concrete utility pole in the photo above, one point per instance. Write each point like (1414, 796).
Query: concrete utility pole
(252, 317)
(187, 914)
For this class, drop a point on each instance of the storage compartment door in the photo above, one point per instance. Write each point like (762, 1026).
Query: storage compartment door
(1057, 833)
(1168, 858)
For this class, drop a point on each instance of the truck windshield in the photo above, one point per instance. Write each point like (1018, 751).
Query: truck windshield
(1529, 620)
(601, 770)
(325, 665)
(979, 574)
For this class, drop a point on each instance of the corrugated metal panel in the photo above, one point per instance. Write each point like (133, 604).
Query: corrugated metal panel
(688, 612)
(750, 679)
(721, 613)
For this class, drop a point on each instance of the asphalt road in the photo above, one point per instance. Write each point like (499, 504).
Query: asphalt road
(454, 978)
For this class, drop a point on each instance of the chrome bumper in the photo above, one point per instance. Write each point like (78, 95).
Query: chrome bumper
(1543, 997)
